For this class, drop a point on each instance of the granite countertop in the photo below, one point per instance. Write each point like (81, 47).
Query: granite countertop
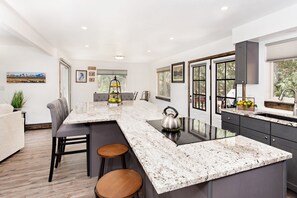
(253, 114)
(170, 167)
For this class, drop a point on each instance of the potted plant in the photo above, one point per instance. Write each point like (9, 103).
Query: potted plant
(18, 100)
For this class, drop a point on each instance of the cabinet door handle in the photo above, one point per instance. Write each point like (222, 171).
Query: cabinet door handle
(273, 140)
(266, 137)
(228, 118)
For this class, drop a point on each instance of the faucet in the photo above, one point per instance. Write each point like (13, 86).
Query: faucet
(295, 99)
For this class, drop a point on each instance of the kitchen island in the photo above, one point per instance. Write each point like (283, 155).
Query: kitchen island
(231, 167)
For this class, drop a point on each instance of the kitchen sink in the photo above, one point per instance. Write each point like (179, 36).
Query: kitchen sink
(280, 117)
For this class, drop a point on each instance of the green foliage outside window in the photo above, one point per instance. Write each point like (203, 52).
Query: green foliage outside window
(284, 76)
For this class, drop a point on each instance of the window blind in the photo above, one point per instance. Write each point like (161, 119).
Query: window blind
(111, 72)
(285, 49)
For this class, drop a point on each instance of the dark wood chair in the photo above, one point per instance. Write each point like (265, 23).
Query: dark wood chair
(66, 134)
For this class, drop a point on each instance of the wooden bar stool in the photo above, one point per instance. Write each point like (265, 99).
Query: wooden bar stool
(111, 151)
(123, 183)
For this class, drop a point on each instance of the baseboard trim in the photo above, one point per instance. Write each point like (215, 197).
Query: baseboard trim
(38, 126)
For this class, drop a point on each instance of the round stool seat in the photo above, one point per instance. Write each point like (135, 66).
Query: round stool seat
(119, 183)
(112, 150)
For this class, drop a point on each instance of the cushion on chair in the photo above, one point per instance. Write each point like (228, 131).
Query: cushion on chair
(67, 130)
(5, 108)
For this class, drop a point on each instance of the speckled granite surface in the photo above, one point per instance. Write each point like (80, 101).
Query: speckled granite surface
(170, 167)
(253, 114)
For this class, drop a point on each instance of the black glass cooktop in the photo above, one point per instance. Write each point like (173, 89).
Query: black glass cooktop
(192, 131)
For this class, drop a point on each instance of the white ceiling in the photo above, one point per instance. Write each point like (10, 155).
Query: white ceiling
(131, 27)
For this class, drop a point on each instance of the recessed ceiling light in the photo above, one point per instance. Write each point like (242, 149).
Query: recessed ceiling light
(224, 8)
(119, 57)
(86, 45)
(84, 27)
(171, 38)
(149, 51)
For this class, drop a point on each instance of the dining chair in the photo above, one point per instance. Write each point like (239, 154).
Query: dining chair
(69, 133)
(135, 95)
(100, 97)
(128, 96)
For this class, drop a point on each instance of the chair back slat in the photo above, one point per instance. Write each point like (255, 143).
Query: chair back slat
(57, 115)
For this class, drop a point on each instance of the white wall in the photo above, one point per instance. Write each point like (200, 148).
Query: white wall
(29, 59)
(179, 91)
(138, 78)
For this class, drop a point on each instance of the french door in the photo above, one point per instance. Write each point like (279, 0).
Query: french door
(211, 87)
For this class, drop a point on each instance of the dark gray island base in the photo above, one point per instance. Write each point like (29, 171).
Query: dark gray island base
(267, 181)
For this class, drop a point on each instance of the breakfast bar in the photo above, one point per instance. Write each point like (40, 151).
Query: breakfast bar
(228, 167)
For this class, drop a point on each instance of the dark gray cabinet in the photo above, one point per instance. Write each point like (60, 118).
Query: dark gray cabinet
(292, 163)
(247, 63)
(278, 135)
(230, 122)
(255, 135)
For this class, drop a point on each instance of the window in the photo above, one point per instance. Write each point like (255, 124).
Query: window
(163, 83)
(284, 76)
(199, 87)
(225, 85)
(105, 76)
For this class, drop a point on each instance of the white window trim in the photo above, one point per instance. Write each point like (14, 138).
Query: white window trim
(160, 97)
(273, 98)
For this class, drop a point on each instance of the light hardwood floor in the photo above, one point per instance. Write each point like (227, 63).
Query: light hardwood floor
(25, 173)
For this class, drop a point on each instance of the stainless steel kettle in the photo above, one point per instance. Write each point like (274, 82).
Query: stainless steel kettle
(170, 121)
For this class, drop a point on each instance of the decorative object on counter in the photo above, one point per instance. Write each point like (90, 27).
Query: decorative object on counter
(81, 76)
(170, 121)
(247, 104)
(114, 93)
(18, 100)
(178, 72)
(25, 77)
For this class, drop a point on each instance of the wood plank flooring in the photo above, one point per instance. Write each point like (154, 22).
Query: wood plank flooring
(25, 174)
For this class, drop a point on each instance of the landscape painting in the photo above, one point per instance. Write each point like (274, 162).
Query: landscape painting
(26, 77)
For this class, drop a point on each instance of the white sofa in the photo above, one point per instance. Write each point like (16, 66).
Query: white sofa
(12, 137)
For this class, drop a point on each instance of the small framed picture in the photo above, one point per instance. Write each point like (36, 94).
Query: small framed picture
(81, 76)
(91, 73)
(178, 72)
(91, 79)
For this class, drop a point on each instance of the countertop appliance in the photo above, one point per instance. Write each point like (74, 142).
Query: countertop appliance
(192, 131)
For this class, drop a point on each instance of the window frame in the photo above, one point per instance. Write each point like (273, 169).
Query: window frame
(161, 70)
(205, 80)
(111, 72)
(225, 80)
(271, 80)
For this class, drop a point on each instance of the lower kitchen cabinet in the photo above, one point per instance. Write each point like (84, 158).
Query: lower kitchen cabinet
(255, 135)
(230, 127)
(292, 163)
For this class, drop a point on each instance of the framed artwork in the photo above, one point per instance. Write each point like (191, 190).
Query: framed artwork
(91, 73)
(91, 79)
(25, 77)
(81, 76)
(91, 68)
(178, 72)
